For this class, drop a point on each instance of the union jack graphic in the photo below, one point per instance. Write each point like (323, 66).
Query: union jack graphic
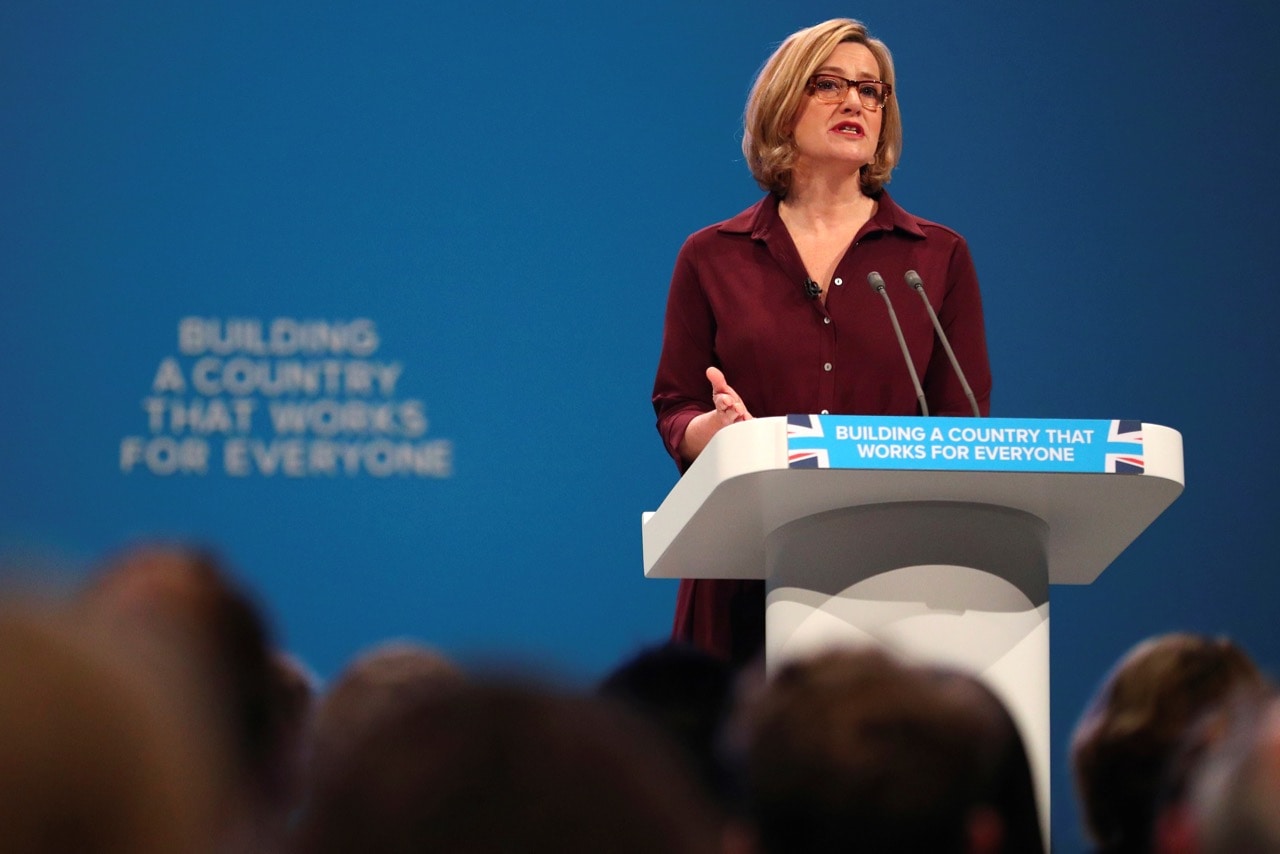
(805, 427)
(1127, 460)
(815, 458)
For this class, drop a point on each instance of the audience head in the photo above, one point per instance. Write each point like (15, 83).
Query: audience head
(854, 748)
(497, 767)
(1235, 790)
(371, 690)
(184, 601)
(686, 693)
(1136, 723)
(95, 756)
(180, 613)
(1006, 783)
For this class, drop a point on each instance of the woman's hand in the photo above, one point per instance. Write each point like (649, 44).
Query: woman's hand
(729, 409)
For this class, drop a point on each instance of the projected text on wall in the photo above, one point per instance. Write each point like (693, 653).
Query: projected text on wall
(282, 397)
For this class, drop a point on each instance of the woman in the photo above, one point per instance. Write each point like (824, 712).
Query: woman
(769, 312)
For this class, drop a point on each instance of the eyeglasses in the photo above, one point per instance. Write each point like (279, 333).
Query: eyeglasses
(832, 90)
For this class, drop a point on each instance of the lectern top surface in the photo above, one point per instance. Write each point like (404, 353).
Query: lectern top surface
(1096, 484)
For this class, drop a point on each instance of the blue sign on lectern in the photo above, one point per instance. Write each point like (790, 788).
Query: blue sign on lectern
(964, 444)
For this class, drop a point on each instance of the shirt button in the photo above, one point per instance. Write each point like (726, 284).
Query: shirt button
(827, 366)
(826, 320)
(839, 281)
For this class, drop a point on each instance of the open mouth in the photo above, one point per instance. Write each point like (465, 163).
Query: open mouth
(849, 129)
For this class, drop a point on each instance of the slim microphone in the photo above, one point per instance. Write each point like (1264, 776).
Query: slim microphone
(876, 281)
(811, 288)
(913, 279)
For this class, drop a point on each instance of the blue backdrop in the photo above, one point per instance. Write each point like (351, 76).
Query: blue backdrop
(493, 199)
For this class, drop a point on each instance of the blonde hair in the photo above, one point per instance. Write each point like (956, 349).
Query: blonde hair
(768, 140)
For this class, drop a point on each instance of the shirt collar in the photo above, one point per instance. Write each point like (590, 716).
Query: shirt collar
(760, 219)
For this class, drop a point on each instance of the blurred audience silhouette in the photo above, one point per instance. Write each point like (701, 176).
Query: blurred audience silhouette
(1125, 746)
(687, 694)
(96, 756)
(1235, 791)
(181, 614)
(853, 750)
(492, 767)
(374, 688)
(153, 711)
(1004, 777)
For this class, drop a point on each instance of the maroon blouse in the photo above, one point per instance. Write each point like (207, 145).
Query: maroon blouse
(738, 302)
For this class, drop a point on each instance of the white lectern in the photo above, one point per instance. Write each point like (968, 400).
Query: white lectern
(935, 537)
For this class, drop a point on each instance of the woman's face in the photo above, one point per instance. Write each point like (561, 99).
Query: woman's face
(844, 134)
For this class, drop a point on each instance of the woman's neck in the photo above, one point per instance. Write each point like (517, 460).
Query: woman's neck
(822, 204)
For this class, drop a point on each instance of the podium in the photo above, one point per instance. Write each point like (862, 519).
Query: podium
(936, 538)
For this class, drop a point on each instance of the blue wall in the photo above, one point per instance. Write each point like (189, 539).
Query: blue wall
(499, 196)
